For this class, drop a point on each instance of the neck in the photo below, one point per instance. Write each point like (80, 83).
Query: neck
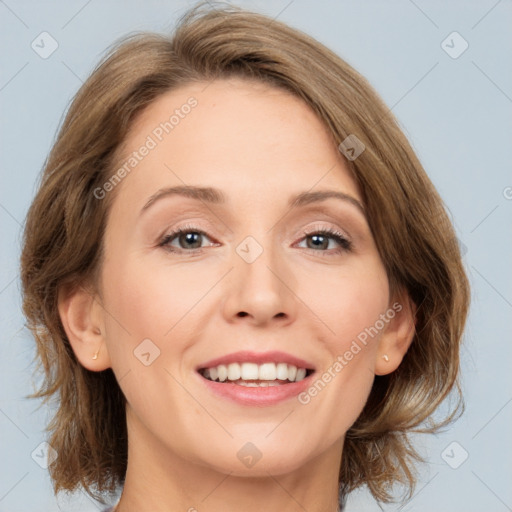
(159, 480)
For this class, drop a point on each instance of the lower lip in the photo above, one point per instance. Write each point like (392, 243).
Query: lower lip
(262, 396)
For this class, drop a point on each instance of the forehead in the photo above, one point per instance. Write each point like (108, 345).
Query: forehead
(238, 135)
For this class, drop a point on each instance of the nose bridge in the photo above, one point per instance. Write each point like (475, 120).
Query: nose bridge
(260, 282)
(257, 258)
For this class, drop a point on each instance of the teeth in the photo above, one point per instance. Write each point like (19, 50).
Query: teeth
(282, 371)
(249, 371)
(268, 371)
(266, 374)
(263, 384)
(301, 373)
(222, 372)
(233, 371)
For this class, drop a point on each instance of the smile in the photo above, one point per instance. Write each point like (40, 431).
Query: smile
(256, 375)
(259, 379)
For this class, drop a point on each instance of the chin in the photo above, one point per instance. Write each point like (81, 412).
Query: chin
(252, 460)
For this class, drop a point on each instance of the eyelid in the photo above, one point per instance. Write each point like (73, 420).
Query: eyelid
(310, 229)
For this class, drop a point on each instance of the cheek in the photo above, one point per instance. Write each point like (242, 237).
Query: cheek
(145, 332)
(338, 394)
(357, 297)
(349, 301)
(156, 303)
(353, 310)
(148, 301)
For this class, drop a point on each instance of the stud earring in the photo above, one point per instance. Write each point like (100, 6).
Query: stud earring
(386, 358)
(95, 356)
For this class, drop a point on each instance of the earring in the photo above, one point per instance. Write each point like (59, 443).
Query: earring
(95, 356)
(386, 358)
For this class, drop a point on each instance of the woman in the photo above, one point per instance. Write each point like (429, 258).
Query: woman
(244, 288)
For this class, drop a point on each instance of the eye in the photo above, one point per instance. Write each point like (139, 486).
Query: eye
(327, 240)
(186, 239)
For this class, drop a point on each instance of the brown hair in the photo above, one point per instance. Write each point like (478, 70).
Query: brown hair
(415, 239)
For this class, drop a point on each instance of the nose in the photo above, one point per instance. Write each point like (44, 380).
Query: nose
(260, 292)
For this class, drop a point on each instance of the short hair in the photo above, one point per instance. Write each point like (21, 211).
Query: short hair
(63, 238)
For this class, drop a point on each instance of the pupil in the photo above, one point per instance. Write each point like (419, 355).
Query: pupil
(319, 241)
(191, 240)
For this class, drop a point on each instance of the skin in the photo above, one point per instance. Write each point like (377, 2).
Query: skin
(259, 146)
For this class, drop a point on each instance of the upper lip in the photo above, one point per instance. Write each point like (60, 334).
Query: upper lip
(245, 356)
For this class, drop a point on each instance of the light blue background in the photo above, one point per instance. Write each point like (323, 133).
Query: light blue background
(457, 114)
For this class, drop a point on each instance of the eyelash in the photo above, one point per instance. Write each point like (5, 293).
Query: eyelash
(345, 245)
(343, 242)
(173, 234)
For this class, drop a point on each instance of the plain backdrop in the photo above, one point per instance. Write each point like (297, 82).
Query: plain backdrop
(455, 105)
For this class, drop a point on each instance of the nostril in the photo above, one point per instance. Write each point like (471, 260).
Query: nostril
(242, 313)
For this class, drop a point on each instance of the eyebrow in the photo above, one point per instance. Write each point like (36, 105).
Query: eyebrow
(306, 198)
(215, 196)
(205, 194)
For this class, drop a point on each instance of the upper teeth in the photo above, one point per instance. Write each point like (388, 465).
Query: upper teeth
(253, 371)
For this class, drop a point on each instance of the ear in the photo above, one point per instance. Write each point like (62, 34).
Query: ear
(81, 314)
(398, 335)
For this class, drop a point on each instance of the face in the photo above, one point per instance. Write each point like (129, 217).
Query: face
(254, 265)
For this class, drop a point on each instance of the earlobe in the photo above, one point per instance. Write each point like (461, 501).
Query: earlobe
(82, 319)
(397, 338)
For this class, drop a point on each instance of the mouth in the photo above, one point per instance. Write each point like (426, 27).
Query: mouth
(254, 375)
(258, 379)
